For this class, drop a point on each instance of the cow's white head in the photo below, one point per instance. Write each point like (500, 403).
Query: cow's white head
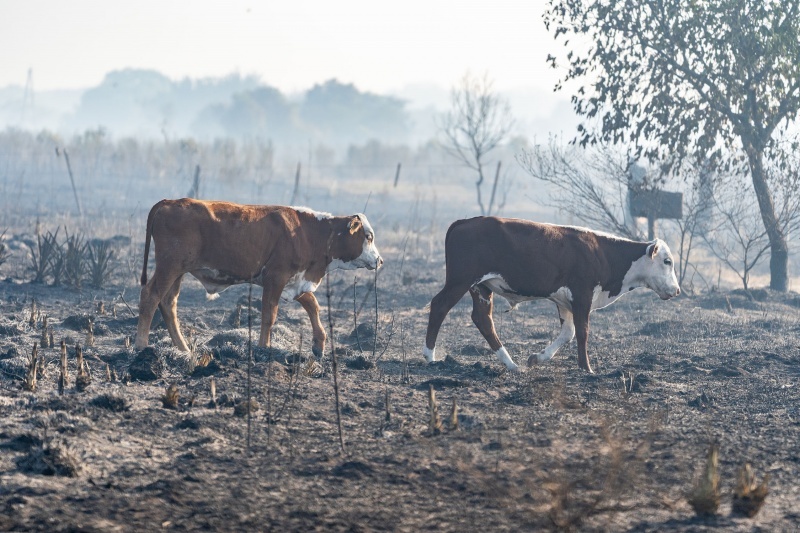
(354, 246)
(655, 270)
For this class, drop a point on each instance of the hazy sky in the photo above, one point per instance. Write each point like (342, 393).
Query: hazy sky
(290, 44)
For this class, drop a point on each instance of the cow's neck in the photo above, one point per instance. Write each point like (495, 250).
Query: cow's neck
(621, 254)
(329, 232)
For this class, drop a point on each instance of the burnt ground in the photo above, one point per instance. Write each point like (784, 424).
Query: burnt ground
(552, 448)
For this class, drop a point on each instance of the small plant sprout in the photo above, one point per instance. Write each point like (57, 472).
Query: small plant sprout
(32, 319)
(704, 497)
(454, 415)
(79, 358)
(434, 423)
(90, 334)
(64, 379)
(205, 359)
(42, 367)
(84, 378)
(749, 495)
(241, 408)
(213, 402)
(101, 308)
(33, 366)
(44, 332)
(170, 399)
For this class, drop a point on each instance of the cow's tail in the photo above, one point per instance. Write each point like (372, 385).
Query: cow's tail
(148, 236)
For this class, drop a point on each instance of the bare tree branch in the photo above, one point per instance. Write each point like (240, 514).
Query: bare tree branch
(479, 120)
(589, 186)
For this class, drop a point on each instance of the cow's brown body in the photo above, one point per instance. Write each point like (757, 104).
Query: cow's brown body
(223, 244)
(578, 269)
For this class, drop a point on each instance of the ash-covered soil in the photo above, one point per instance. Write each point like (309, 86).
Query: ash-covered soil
(551, 448)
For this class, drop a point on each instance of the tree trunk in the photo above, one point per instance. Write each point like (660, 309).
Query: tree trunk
(478, 185)
(779, 249)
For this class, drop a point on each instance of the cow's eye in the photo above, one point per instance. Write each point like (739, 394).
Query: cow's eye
(369, 238)
(668, 261)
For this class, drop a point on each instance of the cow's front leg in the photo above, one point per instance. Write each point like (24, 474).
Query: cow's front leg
(581, 320)
(566, 335)
(310, 304)
(269, 311)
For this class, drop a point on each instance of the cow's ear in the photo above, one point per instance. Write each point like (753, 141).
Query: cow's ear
(652, 250)
(354, 224)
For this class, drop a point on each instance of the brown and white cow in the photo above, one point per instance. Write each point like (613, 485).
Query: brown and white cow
(578, 269)
(285, 250)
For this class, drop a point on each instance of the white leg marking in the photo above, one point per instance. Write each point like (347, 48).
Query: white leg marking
(566, 335)
(502, 355)
(429, 353)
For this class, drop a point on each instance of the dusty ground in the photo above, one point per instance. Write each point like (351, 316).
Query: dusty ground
(551, 448)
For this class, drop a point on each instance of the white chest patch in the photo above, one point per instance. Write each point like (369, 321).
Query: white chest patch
(297, 285)
(601, 298)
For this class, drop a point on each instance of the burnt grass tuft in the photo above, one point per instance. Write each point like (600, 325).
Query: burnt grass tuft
(111, 402)
(547, 449)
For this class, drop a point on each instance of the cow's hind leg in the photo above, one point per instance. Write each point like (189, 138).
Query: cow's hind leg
(566, 335)
(169, 310)
(269, 308)
(440, 306)
(482, 317)
(150, 298)
(310, 304)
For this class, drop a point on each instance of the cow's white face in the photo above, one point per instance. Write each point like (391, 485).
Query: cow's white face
(655, 270)
(370, 257)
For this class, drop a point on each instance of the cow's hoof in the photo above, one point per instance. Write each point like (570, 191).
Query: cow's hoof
(429, 354)
(533, 360)
(514, 368)
(318, 352)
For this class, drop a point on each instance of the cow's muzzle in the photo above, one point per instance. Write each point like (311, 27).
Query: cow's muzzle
(666, 295)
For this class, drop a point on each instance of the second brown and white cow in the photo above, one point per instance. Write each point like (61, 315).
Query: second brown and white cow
(578, 269)
(285, 250)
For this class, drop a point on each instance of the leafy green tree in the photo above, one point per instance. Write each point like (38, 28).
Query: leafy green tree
(690, 82)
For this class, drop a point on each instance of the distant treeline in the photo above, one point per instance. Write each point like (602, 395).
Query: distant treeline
(145, 103)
